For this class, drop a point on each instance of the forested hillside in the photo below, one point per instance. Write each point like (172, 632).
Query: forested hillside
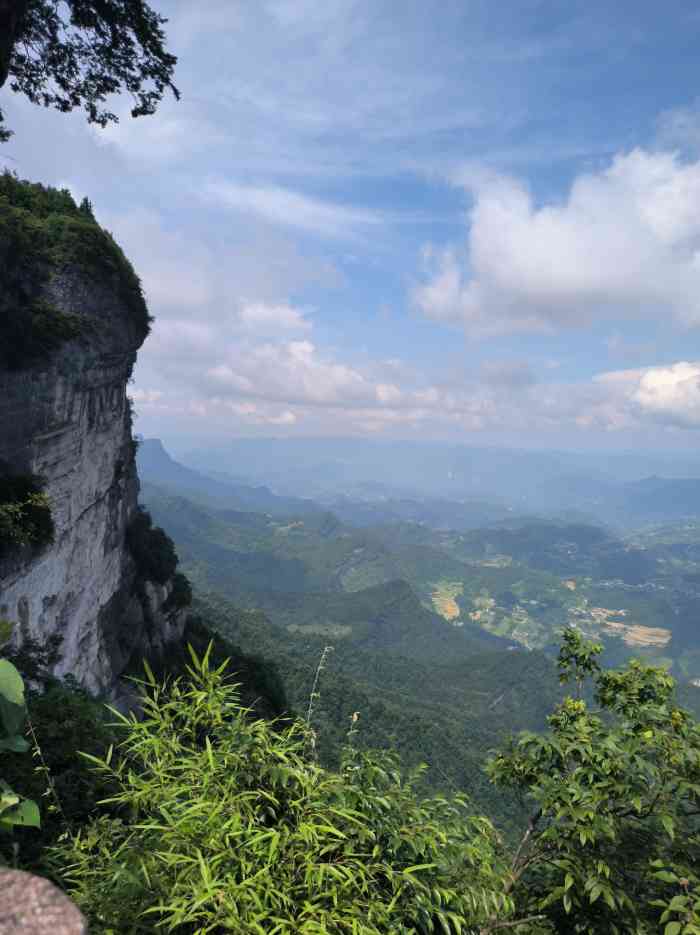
(518, 580)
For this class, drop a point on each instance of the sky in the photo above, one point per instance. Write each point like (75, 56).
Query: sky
(470, 221)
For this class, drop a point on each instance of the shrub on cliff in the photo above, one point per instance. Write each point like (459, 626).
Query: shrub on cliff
(152, 549)
(43, 233)
(25, 512)
(181, 594)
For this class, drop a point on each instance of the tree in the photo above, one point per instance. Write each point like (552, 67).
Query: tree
(75, 53)
(613, 843)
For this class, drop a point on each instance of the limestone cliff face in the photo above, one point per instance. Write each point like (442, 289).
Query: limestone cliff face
(66, 418)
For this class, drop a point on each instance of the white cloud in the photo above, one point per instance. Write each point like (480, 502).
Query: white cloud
(176, 133)
(295, 384)
(511, 374)
(388, 393)
(259, 317)
(288, 208)
(256, 414)
(145, 396)
(624, 244)
(291, 372)
(667, 394)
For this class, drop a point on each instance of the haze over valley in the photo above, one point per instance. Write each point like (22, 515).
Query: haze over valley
(410, 559)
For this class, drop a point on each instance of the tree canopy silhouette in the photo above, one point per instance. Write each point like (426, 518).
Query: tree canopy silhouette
(75, 53)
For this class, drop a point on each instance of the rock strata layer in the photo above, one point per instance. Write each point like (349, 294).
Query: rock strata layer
(68, 420)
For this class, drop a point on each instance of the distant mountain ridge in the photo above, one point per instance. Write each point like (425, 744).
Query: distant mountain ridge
(155, 465)
(443, 486)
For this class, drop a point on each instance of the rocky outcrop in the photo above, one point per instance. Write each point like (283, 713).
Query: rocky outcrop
(66, 418)
(31, 905)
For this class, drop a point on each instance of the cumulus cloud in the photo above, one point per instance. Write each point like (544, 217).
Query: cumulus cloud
(669, 394)
(230, 349)
(290, 372)
(624, 244)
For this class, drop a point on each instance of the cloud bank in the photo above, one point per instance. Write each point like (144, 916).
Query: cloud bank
(623, 245)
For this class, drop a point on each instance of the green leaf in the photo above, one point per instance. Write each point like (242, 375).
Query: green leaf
(25, 813)
(667, 822)
(8, 799)
(665, 876)
(672, 928)
(12, 716)
(417, 867)
(15, 744)
(11, 684)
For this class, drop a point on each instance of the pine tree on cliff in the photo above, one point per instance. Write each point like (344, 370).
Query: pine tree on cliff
(78, 52)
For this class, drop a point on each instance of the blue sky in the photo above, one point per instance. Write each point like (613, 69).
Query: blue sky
(470, 221)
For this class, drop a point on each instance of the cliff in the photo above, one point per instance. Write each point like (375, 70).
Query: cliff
(72, 317)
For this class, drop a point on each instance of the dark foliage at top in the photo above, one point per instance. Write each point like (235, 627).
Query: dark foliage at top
(25, 512)
(100, 47)
(152, 549)
(43, 233)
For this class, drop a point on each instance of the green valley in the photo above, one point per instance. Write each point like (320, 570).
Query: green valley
(519, 583)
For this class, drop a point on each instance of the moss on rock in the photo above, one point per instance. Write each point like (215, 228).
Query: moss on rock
(43, 234)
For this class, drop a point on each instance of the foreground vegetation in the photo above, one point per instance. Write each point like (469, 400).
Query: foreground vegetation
(216, 820)
(446, 704)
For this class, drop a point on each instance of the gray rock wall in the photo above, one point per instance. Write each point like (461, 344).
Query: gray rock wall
(68, 420)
